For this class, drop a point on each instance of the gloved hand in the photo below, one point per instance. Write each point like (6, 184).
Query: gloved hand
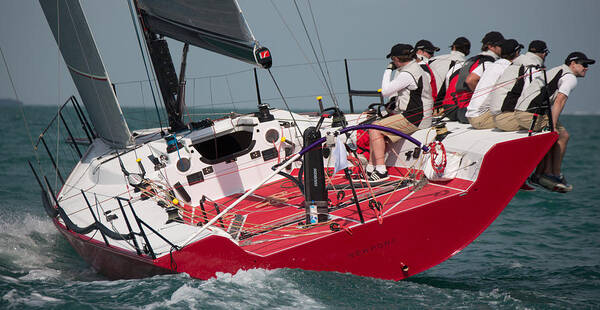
(392, 66)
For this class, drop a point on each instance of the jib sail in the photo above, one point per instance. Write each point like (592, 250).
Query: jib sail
(77, 46)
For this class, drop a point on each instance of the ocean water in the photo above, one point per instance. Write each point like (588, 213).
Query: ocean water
(543, 252)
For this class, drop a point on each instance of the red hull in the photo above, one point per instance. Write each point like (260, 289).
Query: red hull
(406, 243)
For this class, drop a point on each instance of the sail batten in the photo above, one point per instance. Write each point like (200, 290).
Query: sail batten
(78, 48)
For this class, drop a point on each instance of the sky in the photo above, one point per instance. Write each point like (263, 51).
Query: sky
(361, 31)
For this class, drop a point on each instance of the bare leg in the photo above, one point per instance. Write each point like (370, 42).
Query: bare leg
(559, 150)
(377, 146)
(541, 167)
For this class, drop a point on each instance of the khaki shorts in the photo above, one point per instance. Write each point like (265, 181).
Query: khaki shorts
(507, 121)
(398, 122)
(483, 121)
(525, 118)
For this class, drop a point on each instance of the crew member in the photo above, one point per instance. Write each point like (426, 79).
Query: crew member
(478, 111)
(459, 92)
(446, 64)
(513, 81)
(555, 87)
(413, 105)
(425, 50)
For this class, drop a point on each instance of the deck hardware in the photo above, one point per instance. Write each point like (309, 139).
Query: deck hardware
(208, 170)
(195, 178)
(255, 155)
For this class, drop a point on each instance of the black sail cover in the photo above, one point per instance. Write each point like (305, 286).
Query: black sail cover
(214, 25)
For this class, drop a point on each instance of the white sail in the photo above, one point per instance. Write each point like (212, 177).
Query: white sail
(77, 46)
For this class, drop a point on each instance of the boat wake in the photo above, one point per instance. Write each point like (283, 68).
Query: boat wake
(27, 242)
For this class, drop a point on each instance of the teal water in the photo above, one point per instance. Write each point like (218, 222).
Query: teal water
(543, 252)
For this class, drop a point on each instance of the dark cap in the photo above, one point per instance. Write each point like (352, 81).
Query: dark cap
(538, 46)
(510, 46)
(400, 50)
(493, 38)
(462, 44)
(426, 46)
(580, 58)
(462, 41)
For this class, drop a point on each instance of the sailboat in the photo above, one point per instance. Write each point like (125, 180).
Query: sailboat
(270, 189)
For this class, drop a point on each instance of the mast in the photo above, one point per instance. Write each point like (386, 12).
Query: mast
(166, 76)
(214, 25)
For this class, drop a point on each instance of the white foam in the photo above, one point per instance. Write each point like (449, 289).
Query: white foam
(254, 288)
(21, 240)
(41, 275)
(18, 299)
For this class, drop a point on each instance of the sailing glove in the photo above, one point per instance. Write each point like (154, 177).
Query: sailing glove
(392, 66)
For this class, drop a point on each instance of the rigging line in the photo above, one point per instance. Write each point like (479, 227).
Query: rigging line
(230, 93)
(315, 54)
(212, 104)
(298, 131)
(297, 43)
(58, 90)
(321, 47)
(308, 62)
(137, 35)
(20, 105)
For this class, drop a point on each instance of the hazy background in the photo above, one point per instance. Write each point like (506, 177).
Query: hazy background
(362, 31)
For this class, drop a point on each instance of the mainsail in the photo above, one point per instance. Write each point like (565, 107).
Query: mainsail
(77, 46)
(215, 25)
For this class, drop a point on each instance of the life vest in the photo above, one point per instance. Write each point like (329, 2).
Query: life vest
(432, 82)
(416, 105)
(534, 96)
(458, 94)
(504, 98)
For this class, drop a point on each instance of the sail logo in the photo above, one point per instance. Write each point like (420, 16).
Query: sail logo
(264, 54)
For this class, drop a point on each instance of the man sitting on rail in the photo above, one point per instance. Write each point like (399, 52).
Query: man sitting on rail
(425, 50)
(478, 111)
(513, 81)
(411, 105)
(444, 65)
(553, 87)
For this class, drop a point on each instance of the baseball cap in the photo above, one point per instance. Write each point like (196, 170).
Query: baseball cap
(493, 38)
(461, 41)
(462, 44)
(510, 46)
(579, 57)
(427, 46)
(400, 50)
(538, 46)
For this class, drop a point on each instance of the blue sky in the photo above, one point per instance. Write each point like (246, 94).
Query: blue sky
(362, 31)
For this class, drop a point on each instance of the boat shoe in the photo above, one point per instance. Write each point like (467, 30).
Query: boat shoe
(375, 177)
(554, 183)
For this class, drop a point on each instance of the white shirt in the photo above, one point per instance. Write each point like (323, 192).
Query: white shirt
(440, 65)
(402, 80)
(423, 58)
(481, 67)
(528, 60)
(566, 84)
(490, 53)
(487, 83)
